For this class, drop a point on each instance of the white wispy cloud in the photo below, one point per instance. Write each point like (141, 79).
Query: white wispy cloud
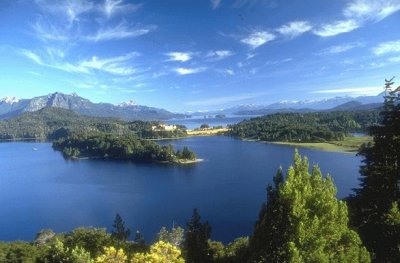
(32, 56)
(372, 90)
(215, 3)
(51, 25)
(337, 27)
(222, 100)
(226, 72)
(375, 10)
(70, 10)
(68, 67)
(258, 38)
(387, 47)
(48, 32)
(34, 73)
(122, 30)
(394, 59)
(277, 62)
(219, 54)
(358, 13)
(113, 7)
(340, 48)
(188, 71)
(179, 56)
(115, 65)
(295, 28)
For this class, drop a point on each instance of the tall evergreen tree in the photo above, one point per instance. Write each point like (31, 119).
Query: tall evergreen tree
(119, 232)
(302, 221)
(379, 193)
(196, 247)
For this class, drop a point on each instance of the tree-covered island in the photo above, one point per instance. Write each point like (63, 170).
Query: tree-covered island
(128, 147)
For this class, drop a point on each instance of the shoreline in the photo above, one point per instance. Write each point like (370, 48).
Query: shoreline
(179, 161)
(322, 146)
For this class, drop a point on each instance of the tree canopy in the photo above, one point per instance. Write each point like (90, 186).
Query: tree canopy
(305, 127)
(109, 146)
(375, 204)
(302, 221)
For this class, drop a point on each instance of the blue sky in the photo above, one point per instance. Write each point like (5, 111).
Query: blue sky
(198, 54)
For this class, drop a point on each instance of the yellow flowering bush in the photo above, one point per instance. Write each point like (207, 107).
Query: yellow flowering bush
(112, 255)
(160, 252)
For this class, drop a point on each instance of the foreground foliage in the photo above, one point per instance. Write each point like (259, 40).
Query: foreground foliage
(303, 221)
(375, 205)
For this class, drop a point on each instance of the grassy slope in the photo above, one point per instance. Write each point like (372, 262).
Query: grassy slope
(207, 132)
(349, 144)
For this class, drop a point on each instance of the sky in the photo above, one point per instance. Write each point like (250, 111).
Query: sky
(187, 55)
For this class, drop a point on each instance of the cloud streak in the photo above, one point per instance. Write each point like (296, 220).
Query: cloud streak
(113, 7)
(258, 38)
(179, 56)
(120, 31)
(357, 13)
(294, 29)
(340, 48)
(373, 90)
(387, 47)
(189, 71)
(216, 55)
(215, 3)
(114, 65)
(336, 28)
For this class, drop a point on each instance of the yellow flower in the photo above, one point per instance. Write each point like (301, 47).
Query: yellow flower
(160, 252)
(112, 255)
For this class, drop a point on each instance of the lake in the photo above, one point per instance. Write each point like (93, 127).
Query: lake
(196, 122)
(40, 189)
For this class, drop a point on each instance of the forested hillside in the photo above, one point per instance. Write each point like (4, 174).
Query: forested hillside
(307, 127)
(53, 123)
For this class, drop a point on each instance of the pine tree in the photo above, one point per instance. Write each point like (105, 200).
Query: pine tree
(139, 239)
(302, 221)
(380, 182)
(196, 247)
(119, 232)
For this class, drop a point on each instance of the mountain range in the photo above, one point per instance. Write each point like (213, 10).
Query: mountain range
(11, 106)
(130, 110)
(337, 103)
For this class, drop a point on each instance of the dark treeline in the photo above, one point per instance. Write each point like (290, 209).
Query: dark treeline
(305, 127)
(110, 146)
(52, 123)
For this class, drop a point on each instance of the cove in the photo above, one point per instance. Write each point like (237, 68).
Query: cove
(39, 189)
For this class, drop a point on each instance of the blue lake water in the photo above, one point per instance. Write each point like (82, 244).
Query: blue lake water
(196, 122)
(39, 189)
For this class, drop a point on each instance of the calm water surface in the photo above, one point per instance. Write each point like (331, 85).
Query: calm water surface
(196, 122)
(39, 189)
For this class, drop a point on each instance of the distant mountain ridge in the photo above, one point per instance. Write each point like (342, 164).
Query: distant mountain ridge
(11, 106)
(349, 104)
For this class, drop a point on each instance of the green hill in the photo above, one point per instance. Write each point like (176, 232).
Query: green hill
(52, 123)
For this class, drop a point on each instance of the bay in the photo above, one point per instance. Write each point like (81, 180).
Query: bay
(39, 189)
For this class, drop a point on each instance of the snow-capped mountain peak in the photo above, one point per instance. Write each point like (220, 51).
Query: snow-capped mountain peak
(128, 103)
(10, 100)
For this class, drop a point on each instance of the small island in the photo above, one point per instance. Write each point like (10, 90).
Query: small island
(109, 146)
